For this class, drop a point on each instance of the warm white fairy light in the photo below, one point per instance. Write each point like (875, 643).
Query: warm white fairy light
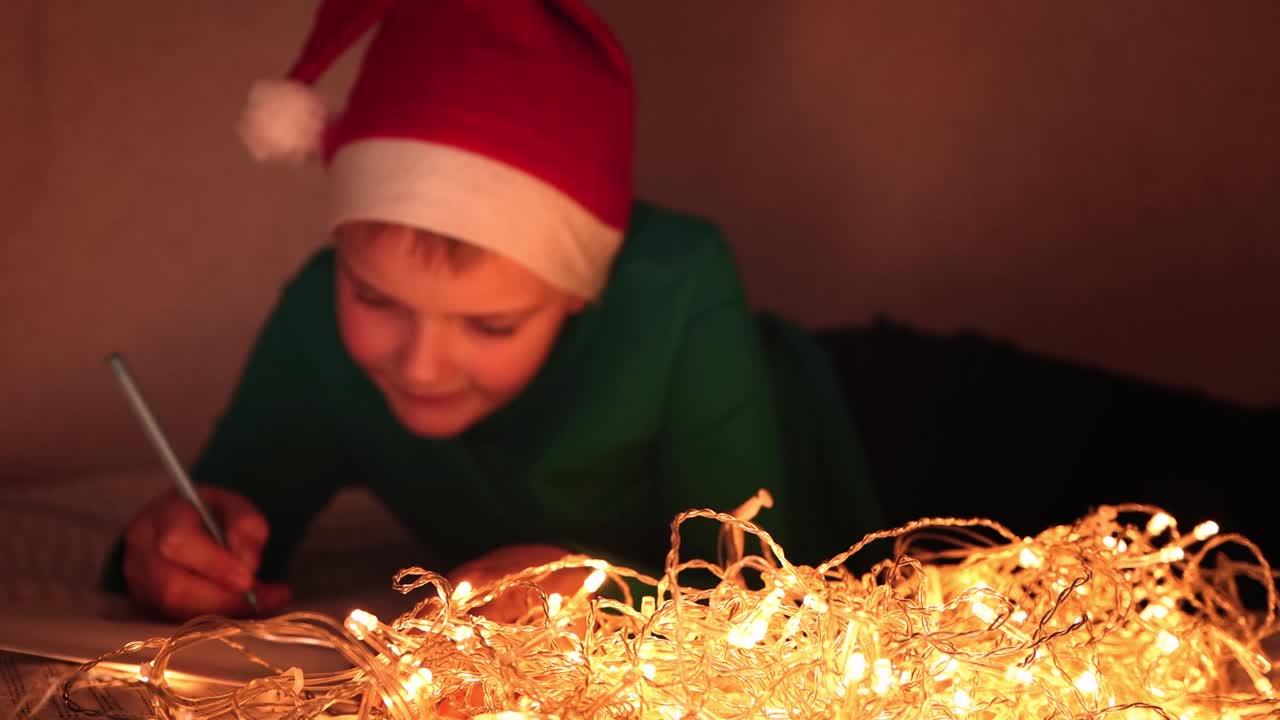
(1083, 621)
(1158, 523)
(360, 623)
(462, 590)
(594, 581)
(1205, 530)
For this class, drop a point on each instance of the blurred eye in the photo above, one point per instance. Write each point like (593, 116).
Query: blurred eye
(373, 300)
(491, 327)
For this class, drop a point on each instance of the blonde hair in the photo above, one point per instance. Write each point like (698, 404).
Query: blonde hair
(425, 244)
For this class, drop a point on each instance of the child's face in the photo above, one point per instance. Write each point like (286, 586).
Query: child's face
(448, 334)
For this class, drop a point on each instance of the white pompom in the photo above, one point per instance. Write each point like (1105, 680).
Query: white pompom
(283, 121)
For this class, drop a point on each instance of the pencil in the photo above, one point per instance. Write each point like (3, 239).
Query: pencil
(170, 459)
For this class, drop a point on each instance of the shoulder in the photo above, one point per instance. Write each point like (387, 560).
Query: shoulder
(674, 275)
(670, 237)
(306, 298)
(305, 315)
(651, 221)
(670, 254)
(314, 277)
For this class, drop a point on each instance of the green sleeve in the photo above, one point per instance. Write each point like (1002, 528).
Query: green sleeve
(273, 443)
(828, 476)
(720, 443)
(277, 443)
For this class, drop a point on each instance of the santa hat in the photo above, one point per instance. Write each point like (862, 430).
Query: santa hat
(508, 124)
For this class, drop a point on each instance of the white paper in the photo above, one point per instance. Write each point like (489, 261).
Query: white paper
(30, 684)
(38, 652)
(52, 618)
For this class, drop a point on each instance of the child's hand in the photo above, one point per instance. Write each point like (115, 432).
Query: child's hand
(513, 604)
(175, 567)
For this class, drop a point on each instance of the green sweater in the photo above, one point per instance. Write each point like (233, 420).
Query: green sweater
(665, 394)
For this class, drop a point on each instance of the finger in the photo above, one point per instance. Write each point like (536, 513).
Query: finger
(144, 535)
(272, 596)
(190, 547)
(140, 535)
(246, 538)
(247, 531)
(234, 509)
(246, 527)
(181, 594)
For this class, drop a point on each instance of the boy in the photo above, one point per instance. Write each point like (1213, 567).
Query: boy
(516, 357)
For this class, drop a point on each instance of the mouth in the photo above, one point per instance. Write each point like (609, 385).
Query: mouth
(430, 400)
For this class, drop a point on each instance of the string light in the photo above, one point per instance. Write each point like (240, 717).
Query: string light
(1116, 615)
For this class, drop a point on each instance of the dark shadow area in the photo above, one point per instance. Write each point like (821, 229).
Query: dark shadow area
(964, 425)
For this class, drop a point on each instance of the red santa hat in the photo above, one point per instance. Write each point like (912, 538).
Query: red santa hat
(507, 124)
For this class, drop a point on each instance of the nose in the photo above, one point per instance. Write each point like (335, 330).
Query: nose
(424, 359)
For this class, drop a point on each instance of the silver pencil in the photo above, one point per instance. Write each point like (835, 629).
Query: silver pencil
(169, 458)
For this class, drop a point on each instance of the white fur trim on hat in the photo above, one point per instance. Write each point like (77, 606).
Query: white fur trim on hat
(477, 200)
(283, 121)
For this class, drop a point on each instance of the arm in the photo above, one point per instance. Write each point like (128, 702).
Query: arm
(709, 420)
(276, 443)
(721, 441)
(272, 444)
